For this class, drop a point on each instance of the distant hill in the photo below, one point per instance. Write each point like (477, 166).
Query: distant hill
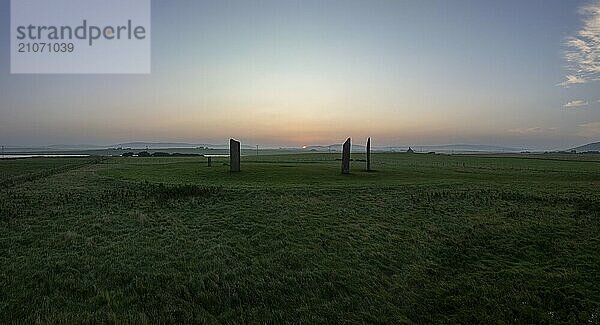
(466, 148)
(126, 145)
(336, 147)
(333, 147)
(588, 147)
(174, 145)
(155, 145)
(457, 148)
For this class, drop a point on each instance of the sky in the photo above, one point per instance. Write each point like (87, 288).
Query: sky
(290, 73)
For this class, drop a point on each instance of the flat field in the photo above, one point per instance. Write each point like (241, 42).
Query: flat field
(423, 238)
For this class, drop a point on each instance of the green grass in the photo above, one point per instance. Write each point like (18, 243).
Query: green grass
(14, 171)
(424, 238)
(323, 171)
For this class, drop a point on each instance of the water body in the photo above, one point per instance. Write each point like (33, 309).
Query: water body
(39, 156)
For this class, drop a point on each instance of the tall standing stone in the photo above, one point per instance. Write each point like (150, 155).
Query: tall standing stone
(346, 157)
(234, 155)
(369, 155)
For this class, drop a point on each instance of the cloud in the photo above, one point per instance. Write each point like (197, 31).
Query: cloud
(572, 80)
(576, 103)
(583, 49)
(534, 130)
(590, 130)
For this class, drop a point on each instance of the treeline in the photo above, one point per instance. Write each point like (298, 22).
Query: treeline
(158, 154)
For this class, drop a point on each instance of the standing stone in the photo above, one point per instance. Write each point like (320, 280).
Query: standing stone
(234, 155)
(346, 157)
(369, 155)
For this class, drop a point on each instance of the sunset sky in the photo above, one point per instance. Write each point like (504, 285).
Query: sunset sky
(288, 73)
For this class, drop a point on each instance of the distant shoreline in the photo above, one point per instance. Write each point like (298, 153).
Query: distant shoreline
(19, 156)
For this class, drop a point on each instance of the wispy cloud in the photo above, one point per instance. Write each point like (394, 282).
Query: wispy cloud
(583, 49)
(572, 80)
(576, 103)
(590, 130)
(534, 130)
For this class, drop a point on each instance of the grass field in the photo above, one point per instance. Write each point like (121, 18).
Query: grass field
(423, 238)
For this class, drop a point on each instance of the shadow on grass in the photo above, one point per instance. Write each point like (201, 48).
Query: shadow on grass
(162, 191)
